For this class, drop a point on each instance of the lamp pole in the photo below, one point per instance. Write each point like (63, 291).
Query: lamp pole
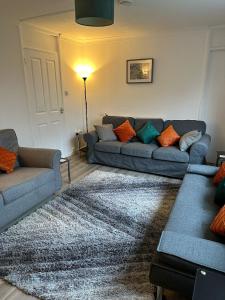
(86, 104)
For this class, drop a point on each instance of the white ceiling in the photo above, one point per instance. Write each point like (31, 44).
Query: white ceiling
(143, 17)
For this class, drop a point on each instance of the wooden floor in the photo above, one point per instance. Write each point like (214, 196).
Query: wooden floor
(79, 169)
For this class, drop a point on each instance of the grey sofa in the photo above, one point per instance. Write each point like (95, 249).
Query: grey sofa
(187, 243)
(151, 158)
(35, 178)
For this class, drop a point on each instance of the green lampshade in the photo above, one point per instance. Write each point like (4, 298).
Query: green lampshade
(94, 12)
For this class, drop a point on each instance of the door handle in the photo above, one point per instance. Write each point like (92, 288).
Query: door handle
(61, 110)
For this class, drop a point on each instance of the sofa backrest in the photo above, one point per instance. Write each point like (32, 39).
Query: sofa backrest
(157, 123)
(184, 126)
(116, 121)
(8, 140)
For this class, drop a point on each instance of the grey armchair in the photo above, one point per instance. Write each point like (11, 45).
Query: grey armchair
(36, 178)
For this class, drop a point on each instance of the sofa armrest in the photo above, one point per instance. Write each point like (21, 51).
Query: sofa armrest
(206, 253)
(199, 150)
(204, 170)
(91, 138)
(39, 158)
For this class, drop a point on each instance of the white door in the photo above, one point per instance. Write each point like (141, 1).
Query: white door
(45, 98)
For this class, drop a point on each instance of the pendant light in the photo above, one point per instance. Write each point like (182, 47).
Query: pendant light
(95, 13)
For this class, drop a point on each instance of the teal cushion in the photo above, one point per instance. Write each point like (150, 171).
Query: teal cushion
(220, 193)
(147, 133)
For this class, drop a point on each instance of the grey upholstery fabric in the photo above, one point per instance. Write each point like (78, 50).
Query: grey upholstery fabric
(189, 139)
(199, 150)
(23, 181)
(141, 164)
(171, 154)
(157, 123)
(200, 251)
(184, 126)
(202, 170)
(116, 121)
(194, 208)
(36, 179)
(138, 149)
(105, 132)
(169, 162)
(111, 147)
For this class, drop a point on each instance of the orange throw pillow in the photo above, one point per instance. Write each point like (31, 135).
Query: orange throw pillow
(168, 137)
(220, 175)
(7, 160)
(125, 132)
(218, 224)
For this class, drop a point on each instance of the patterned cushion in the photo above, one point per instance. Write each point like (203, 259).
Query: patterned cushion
(218, 224)
(168, 137)
(220, 175)
(7, 160)
(125, 132)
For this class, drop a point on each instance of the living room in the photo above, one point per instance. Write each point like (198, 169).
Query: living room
(60, 80)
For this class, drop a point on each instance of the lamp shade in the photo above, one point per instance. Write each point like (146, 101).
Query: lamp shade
(94, 12)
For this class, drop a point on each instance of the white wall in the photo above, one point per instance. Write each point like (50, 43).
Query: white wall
(213, 104)
(13, 106)
(178, 76)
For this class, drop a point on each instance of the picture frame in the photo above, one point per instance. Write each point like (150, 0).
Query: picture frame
(140, 70)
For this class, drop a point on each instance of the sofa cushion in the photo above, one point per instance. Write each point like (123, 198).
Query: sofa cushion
(138, 149)
(117, 120)
(110, 147)
(105, 132)
(194, 208)
(168, 137)
(171, 154)
(7, 160)
(157, 123)
(218, 224)
(125, 132)
(8, 140)
(220, 175)
(147, 133)
(184, 126)
(23, 181)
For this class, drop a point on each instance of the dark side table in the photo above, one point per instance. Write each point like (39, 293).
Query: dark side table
(220, 157)
(209, 285)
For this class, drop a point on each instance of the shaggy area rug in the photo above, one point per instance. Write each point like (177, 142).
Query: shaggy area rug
(95, 241)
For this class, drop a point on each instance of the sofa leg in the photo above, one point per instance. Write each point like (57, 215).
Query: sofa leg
(159, 293)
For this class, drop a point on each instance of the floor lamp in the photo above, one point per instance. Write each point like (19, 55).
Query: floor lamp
(84, 72)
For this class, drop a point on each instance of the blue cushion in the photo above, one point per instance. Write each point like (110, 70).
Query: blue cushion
(138, 149)
(147, 133)
(171, 154)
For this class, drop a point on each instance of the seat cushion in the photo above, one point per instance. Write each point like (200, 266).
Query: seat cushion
(138, 149)
(110, 147)
(171, 154)
(22, 181)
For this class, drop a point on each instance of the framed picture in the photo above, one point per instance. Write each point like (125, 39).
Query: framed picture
(140, 70)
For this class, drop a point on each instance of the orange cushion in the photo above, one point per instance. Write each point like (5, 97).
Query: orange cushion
(218, 224)
(220, 175)
(168, 137)
(125, 132)
(7, 160)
